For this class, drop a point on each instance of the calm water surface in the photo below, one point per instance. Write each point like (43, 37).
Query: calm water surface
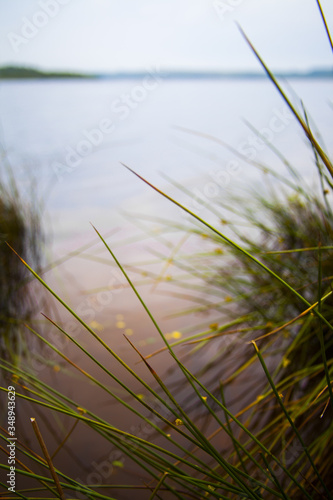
(72, 135)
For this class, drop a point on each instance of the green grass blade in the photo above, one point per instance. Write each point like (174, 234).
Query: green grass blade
(298, 117)
(325, 24)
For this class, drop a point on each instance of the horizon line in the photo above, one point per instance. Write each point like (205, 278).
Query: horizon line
(5, 72)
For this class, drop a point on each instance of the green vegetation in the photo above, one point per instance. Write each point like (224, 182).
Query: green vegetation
(10, 72)
(276, 278)
(19, 227)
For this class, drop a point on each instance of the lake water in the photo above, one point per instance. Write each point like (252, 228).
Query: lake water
(72, 136)
(69, 138)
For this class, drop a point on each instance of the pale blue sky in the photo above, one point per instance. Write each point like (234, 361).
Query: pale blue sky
(113, 35)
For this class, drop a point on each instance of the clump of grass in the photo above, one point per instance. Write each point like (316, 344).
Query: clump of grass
(19, 227)
(293, 238)
(278, 285)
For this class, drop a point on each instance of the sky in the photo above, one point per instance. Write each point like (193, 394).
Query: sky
(130, 35)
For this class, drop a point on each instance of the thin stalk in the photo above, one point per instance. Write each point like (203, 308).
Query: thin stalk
(48, 457)
(297, 250)
(325, 24)
(300, 120)
(304, 313)
(75, 487)
(275, 479)
(234, 440)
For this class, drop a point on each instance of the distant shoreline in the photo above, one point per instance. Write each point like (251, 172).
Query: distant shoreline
(18, 73)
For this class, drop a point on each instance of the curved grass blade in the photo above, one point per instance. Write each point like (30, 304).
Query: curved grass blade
(231, 243)
(292, 108)
(325, 24)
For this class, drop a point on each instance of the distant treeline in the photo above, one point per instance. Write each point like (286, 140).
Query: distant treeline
(21, 72)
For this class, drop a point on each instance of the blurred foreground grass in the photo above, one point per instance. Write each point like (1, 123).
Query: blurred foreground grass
(20, 226)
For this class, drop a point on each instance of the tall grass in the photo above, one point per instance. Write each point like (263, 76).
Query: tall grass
(278, 442)
(20, 227)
